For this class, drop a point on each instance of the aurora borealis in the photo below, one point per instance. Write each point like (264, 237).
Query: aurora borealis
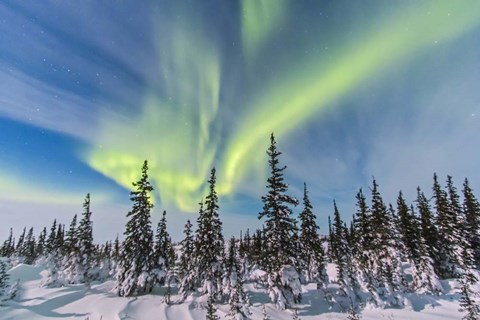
(351, 90)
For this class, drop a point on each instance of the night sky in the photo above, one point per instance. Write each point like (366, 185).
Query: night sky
(351, 89)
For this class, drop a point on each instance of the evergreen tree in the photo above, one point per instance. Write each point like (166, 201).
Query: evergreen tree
(209, 244)
(4, 280)
(311, 250)
(428, 229)
(8, 246)
(471, 207)
(468, 303)
(211, 310)
(136, 260)
(42, 238)
(29, 248)
(86, 250)
(280, 229)
(186, 268)
(164, 252)
(19, 248)
(448, 232)
(409, 228)
(233, 285)
(363, 231)
(70, 237)
(53, 254)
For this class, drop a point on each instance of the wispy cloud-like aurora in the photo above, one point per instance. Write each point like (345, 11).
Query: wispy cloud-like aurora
(299, 94)
(178, 130)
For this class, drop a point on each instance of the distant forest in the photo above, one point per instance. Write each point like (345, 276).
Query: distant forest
(385, 252)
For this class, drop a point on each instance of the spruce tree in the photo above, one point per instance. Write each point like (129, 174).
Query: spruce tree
(471, 207)
(233, 285)
(8, 246)
(428, 229)
(86, 250)
(211, 310)
(29, 248)
(164, 252)
(409, 228)
(42, 238)
(4, 280)
(71, 237)
(448, 233)
(19, 248)
(136, 258)
(311, 250)
(209, 243)
(186, 268)
(280, 229)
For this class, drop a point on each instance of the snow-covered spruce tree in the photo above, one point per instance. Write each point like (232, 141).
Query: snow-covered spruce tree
(134, 275)
(386, 262)
(312, 255)
(449, 233)
(428, 229)
(4, 280)
(42, 238)
(186, 267)
(8, 246)
(409, 229)
(469, 303)
(283, 280)
(211, 310)
(424, 276)
(19, 247)
(164, 252)
(233, 286)
(70, 237)
(53, 255)
(471, 207)
(81, 251)
(209, 243)
(27, 252)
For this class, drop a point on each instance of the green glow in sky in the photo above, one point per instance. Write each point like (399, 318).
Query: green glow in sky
(259, 18)
(178, 132)
(174, 131)
(298, 95)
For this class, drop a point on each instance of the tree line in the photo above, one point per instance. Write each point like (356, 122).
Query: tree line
(385, 251)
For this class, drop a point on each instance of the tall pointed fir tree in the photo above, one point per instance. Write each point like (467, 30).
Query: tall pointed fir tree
(164, 252)
(53, 255)
(86, 252)
(71, 237)
(209, 243)
(8, 246)
(233, 285)
(42, 238)
(428, 228)
(409, 228)
(28, 251)
(4, 280)
(186, 268)
(448, 233)
(471, 207)
(19, 247)
(341, 255)
(134, 275)
(312, 255)
(211, 310)
(280, 229)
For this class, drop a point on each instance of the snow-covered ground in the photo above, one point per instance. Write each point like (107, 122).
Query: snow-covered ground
(98, 303)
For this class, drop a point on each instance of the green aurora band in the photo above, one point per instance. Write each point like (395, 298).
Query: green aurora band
(179, 132)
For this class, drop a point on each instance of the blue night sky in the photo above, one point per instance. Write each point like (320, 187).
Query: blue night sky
(351, 89)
